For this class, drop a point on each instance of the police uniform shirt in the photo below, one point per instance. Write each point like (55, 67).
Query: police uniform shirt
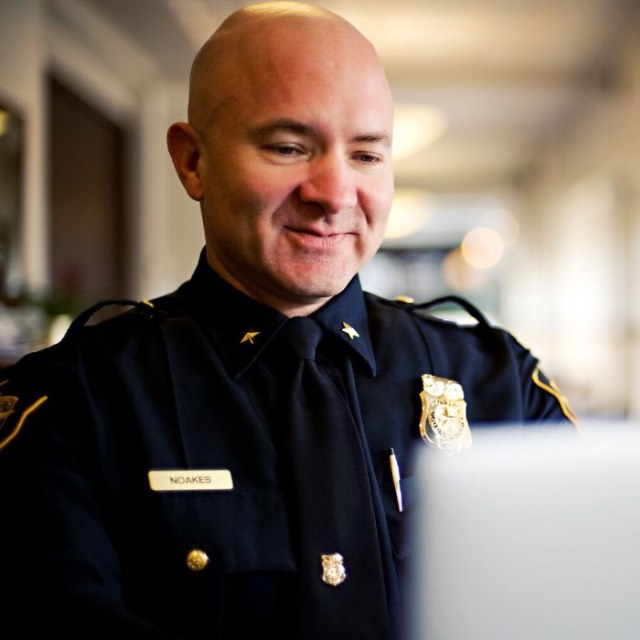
(191, 389)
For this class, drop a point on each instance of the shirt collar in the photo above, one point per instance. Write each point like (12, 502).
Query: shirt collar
(345, 316)
(241, 328)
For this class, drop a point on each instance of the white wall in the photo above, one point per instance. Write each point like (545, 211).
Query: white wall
(22, 35)
(169, 235)
(111, 73)
(575, 291)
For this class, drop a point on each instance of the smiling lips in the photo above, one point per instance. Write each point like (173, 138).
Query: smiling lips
(317, 238)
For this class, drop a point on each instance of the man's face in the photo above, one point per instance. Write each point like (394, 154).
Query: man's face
(296, 172)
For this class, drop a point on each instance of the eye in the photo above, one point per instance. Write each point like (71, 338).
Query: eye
(285, 150)
(367, 158)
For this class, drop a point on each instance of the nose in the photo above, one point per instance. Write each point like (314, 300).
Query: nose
(331, 183)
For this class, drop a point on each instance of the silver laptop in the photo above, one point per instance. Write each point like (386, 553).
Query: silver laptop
(531, 534)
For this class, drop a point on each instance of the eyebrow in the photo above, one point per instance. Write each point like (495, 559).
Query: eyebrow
(302, 129)
(384, 138)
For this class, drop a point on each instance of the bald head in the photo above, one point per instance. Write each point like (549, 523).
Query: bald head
(288, 151)
(262, 44)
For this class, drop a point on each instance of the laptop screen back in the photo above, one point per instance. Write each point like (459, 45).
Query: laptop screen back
(531, 534)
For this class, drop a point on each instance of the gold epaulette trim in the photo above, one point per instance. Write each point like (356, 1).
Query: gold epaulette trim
(554, 390)
(25, 414)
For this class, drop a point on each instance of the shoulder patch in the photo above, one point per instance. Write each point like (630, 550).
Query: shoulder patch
(13, 414)
(551, 387)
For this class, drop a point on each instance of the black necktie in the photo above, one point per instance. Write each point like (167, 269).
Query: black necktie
(342, 588)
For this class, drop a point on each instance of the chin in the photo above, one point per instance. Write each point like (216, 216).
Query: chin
(315, 287)
(318, 278)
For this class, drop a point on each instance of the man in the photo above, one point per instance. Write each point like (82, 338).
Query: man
(158, 481)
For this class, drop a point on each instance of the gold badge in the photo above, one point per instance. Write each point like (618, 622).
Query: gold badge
(333, 571)
(443, 423)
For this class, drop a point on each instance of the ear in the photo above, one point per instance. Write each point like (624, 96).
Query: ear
(184, 146)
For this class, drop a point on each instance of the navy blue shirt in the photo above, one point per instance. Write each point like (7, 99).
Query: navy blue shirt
(197, 381)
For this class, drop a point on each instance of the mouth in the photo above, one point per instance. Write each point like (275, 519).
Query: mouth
(314, 237)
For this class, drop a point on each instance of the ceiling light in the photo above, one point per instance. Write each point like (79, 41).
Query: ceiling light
(409, 213)
(482, 248)
(416, 127)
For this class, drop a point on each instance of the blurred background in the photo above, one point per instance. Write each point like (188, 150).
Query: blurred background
(517, 167)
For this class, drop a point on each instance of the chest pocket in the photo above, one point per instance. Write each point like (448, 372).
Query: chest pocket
(236, 531)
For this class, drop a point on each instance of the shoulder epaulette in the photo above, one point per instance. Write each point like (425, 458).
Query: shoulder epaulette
(471, 309)
(146, 308)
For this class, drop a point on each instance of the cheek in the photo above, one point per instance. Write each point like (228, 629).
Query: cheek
(378, 204)
(233, 193)
(259, 189)
(243, 212)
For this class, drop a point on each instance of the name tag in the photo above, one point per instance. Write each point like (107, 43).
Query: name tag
(190, 480)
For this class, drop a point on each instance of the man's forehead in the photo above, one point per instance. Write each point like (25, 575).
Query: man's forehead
(306, 67)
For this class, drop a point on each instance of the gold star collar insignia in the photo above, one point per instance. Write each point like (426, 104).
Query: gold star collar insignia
(249, 337)
(350, 331)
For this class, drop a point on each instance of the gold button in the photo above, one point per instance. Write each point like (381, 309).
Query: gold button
(405, 299)
(197, 560)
